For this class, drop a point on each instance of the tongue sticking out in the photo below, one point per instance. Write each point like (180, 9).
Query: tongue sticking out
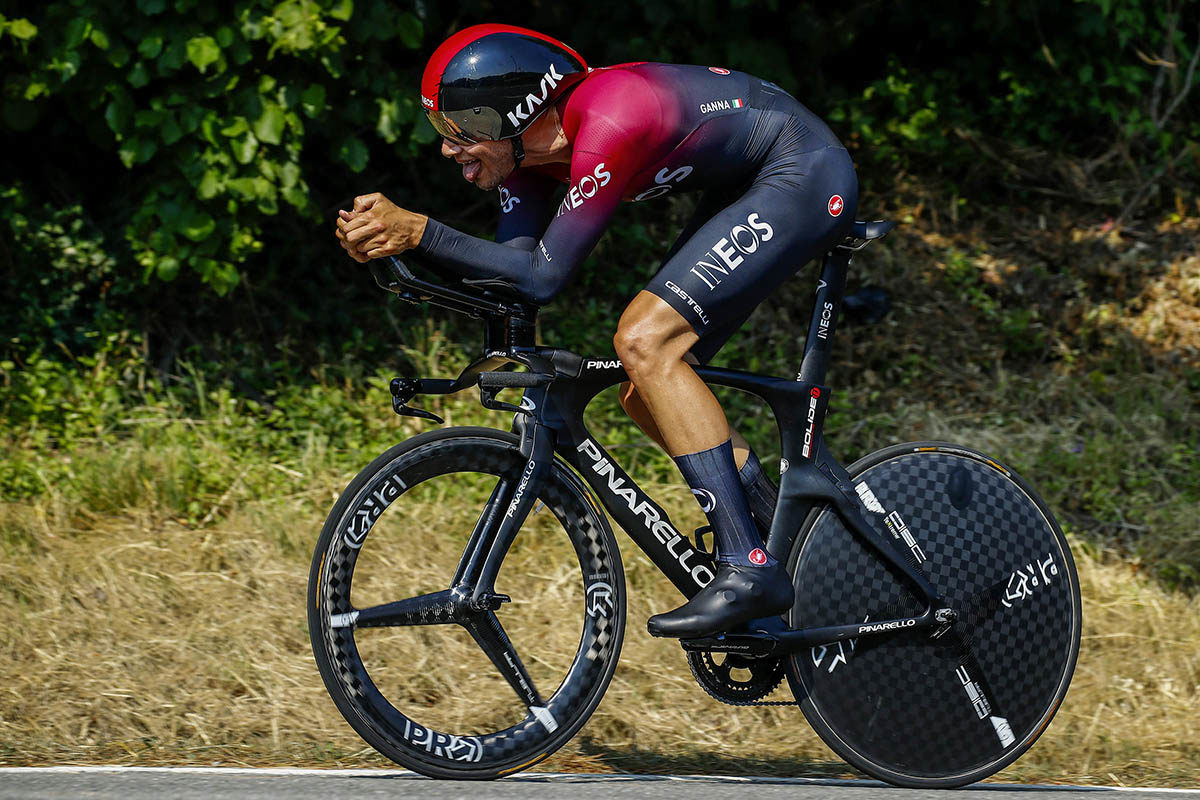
(471, 170)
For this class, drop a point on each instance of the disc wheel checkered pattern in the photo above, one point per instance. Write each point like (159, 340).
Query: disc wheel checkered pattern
(392, 725)
(920, 711)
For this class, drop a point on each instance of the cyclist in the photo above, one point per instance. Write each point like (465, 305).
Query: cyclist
(523, 113)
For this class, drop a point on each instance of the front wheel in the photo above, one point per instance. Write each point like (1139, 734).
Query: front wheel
(908, 707)
(445, 689)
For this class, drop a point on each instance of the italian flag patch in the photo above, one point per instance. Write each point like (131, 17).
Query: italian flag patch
(737, 102)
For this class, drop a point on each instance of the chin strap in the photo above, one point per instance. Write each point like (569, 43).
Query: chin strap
(518, 150)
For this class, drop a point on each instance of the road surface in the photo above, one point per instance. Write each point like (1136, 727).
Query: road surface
(215, 783)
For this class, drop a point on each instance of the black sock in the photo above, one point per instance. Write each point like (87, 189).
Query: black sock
(713, 476)
(761, 493)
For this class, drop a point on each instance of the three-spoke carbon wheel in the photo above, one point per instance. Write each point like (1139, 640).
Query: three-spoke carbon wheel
(908, 707)
(439, 685)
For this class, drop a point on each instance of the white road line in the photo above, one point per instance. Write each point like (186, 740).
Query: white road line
(568, 777)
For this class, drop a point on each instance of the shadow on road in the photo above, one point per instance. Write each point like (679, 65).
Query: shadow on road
(654, 762)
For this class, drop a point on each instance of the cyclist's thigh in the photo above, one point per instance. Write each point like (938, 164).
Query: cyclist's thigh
(744, 252)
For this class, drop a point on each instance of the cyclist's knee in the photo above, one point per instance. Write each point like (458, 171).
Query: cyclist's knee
(642, 344)
(637, 345)
(630, 342)
(651, 336)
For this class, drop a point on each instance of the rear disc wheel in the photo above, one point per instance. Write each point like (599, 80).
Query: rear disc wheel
(937, 712)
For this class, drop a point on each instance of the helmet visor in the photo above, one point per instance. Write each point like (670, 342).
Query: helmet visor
(470, 125)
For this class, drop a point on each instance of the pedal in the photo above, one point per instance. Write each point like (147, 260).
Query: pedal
(946, 617)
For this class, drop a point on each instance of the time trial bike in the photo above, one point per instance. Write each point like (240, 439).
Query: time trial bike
(936, 621)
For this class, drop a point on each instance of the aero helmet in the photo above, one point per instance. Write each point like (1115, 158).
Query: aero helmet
(490, 82)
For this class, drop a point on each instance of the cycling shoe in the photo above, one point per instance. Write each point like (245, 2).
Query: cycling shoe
(738, 594)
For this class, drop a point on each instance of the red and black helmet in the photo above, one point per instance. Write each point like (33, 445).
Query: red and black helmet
(490, 82)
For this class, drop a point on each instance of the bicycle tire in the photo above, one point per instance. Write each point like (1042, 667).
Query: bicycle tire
(467, 752)
(907, 708)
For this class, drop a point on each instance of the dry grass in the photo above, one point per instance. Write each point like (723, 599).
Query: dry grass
(152, 598)
(134, 639)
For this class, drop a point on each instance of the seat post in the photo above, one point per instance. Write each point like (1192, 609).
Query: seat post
(826, 308)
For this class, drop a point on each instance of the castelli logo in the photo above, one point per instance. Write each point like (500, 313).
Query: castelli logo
(757, 556)
(719, 70)
(707, 500)
(835, 205)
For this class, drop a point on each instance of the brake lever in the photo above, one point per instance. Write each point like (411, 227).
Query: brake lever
(403, 390)
(492, 383)
(487, 398)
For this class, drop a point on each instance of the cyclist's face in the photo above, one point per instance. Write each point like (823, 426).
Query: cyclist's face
(485, 164)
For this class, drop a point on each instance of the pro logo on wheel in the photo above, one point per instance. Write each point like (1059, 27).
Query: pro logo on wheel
(836, 205)
(758, 556)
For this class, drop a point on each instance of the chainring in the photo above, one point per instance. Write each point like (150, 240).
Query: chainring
(721, 682)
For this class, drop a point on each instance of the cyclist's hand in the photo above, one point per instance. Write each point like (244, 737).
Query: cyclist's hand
(345, 216)
(378, 227)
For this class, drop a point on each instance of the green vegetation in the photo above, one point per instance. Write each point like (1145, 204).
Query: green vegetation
(190, 368)
(207, 144)
(154, 591)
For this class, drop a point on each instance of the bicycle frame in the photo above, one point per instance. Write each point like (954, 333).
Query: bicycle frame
(558, 389)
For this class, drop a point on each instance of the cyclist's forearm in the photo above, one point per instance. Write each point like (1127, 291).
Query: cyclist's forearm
(472, 257)
(526, 243)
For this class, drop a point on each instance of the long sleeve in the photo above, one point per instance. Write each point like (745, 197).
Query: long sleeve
(613, 137)
(541, 272)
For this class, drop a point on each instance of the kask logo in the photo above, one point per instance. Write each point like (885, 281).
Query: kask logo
(532, 101)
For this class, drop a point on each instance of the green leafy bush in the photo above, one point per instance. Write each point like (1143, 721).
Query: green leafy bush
(204, 128)
(60, 274)
(200, 115)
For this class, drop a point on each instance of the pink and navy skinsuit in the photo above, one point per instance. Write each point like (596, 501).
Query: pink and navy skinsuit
(778, 190)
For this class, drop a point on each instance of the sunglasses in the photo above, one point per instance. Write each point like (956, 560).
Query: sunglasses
(469, 126)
